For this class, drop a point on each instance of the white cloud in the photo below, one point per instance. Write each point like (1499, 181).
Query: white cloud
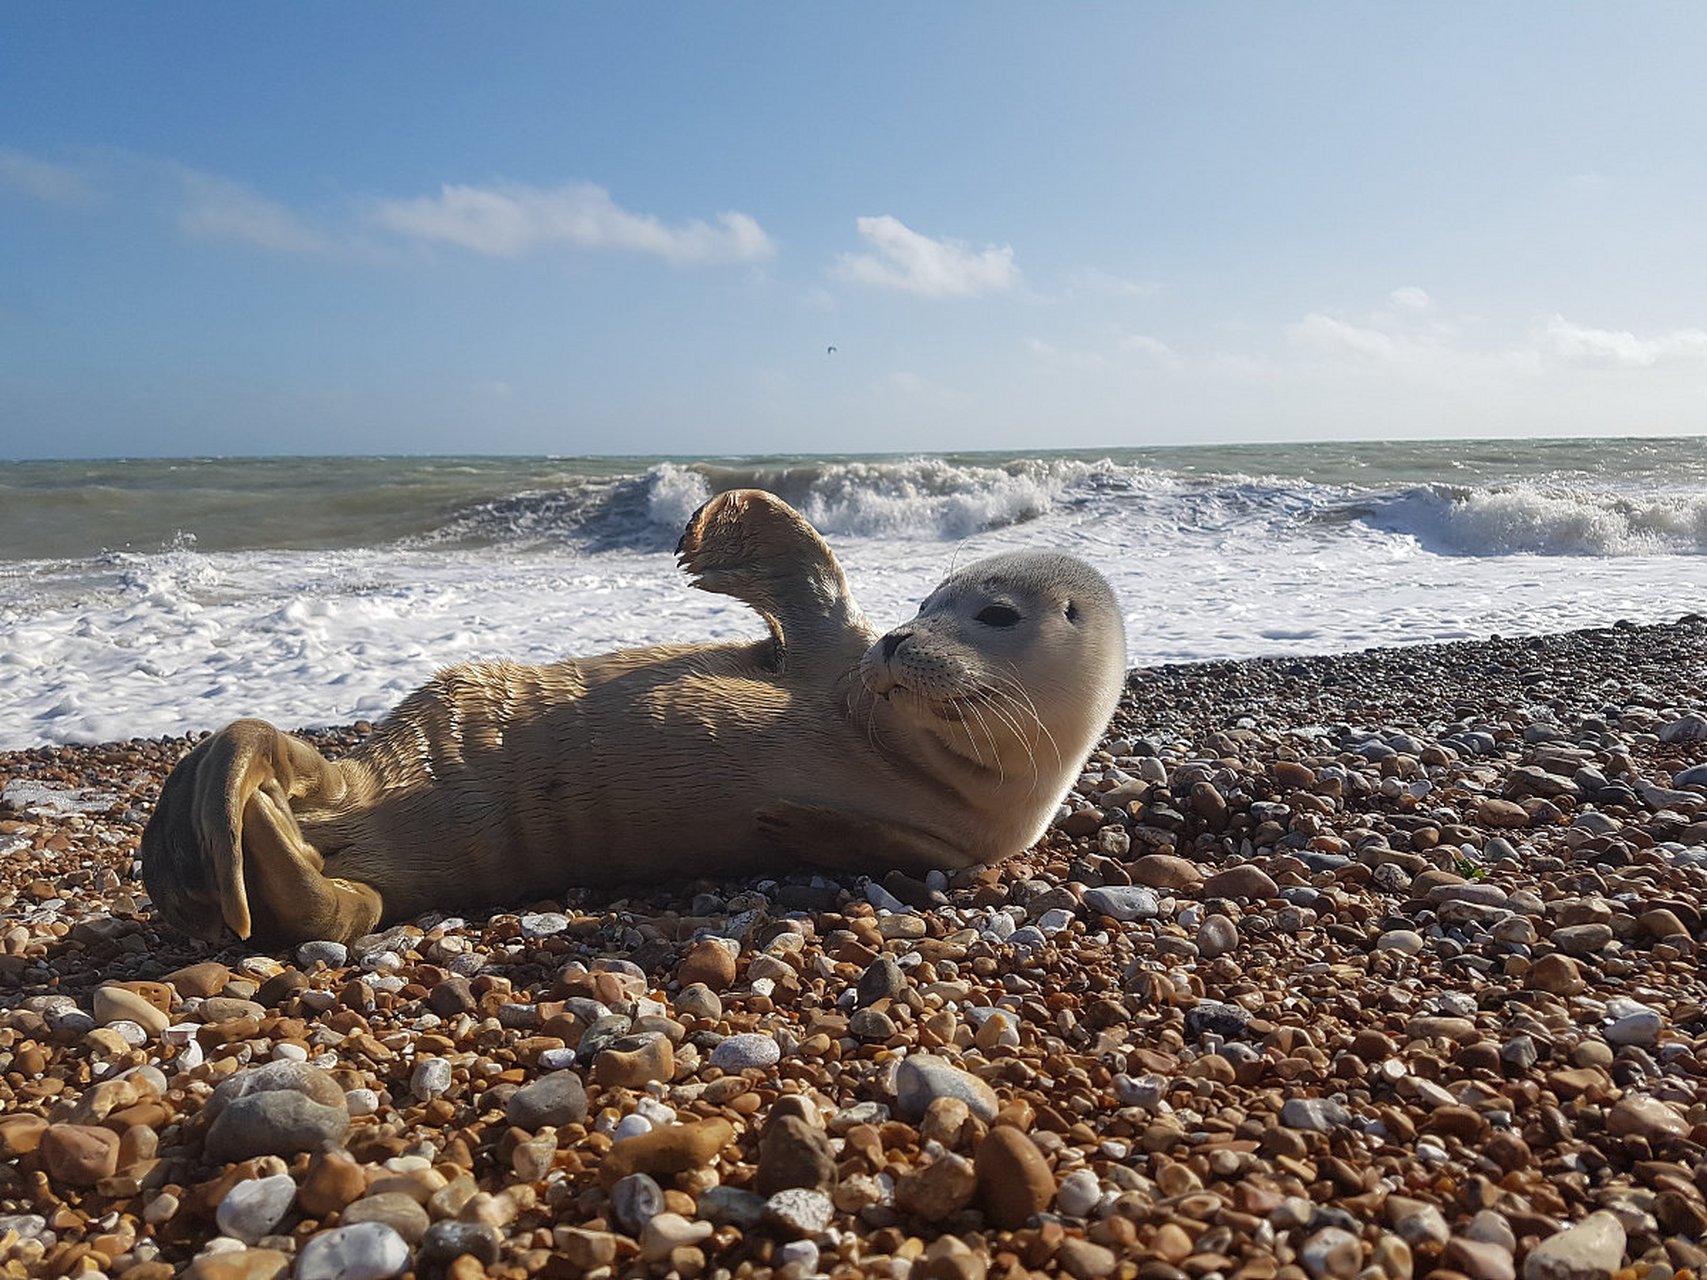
(1620, 348)
(1410, 297)
(218, 209)
(1325, 335)
(1107, 284)
(1151, 349)
(512, 220)
(41, 180)
(1054, 356)
(914, 263)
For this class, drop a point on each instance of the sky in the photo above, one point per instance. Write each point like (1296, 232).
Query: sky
(641, 228)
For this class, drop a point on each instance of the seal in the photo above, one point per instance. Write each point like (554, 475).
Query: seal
(945, 743)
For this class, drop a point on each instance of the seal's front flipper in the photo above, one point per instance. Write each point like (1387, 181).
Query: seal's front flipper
(846, 841)
(752, 545)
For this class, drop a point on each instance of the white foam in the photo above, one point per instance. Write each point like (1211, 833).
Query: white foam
(143, 645)
(1544, 519)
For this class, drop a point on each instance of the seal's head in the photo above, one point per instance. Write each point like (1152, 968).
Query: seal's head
(1014, 665)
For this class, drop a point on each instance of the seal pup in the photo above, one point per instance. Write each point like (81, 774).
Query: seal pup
(945, 743)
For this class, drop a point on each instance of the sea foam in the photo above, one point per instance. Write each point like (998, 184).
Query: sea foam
(1208, 563)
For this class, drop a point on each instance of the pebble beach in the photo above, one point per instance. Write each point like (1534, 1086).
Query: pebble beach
(1365, 967)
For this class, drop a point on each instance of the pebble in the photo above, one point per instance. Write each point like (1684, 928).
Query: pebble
(746, 1051)
(430, 1078)
(669, 1231)
(669, 1149)
(635, 1061)
(1592, 1249)
(367, 1251)
(922, 1078)
(1014, 1180)
(937, 1190)
(254, 1207)
(799, 1212)
(1332, 1252)
(1125, 902)
(635, 1201)
(1645, 1118)
(558, 1099)
(794, 1153)
(444, 1242)
(402, 1212)
(1078, 1194)
(1315, 1115)
(698, 1001)
(78, 1155)
(710, 963)
(1216, 936)
(1631, 1022)
(1243, 881)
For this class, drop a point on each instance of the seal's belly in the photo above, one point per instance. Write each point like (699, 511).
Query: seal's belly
(638, 777)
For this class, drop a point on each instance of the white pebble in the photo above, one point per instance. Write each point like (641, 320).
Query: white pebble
(253, 1207)
(362, 1102)
(431, 1077)
(365, 1251)
(1079, 1194)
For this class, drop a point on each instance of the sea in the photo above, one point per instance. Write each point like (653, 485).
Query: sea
(147, 597)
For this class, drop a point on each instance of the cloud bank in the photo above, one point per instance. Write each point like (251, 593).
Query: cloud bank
(509, 221)
(905, 260)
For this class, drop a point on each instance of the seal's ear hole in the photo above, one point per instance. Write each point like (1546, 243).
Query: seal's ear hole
(1072, 612)
(997, 615)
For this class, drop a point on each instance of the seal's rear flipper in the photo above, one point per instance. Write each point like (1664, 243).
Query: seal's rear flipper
(223, 848)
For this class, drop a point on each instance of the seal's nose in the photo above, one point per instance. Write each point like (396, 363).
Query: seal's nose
(891, 643)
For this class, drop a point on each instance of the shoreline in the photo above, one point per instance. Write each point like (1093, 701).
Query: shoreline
(1387, 958)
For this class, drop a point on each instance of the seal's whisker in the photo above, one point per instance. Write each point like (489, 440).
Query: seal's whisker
(1014, 686)
(1011, 712)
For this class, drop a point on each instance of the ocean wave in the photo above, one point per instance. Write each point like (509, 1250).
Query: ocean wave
(914, 498)
(1538, 519)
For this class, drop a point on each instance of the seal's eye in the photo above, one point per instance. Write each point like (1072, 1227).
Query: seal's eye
(1072, 612)
(997, 615)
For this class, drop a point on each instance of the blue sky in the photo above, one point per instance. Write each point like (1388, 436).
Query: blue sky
(638, 228)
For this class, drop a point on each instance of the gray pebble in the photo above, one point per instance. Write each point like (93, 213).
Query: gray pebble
(750, 1049)
(1123, 902)
(557, 1099)
(922, 1078)
(446, 1241)
(635, 1201)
